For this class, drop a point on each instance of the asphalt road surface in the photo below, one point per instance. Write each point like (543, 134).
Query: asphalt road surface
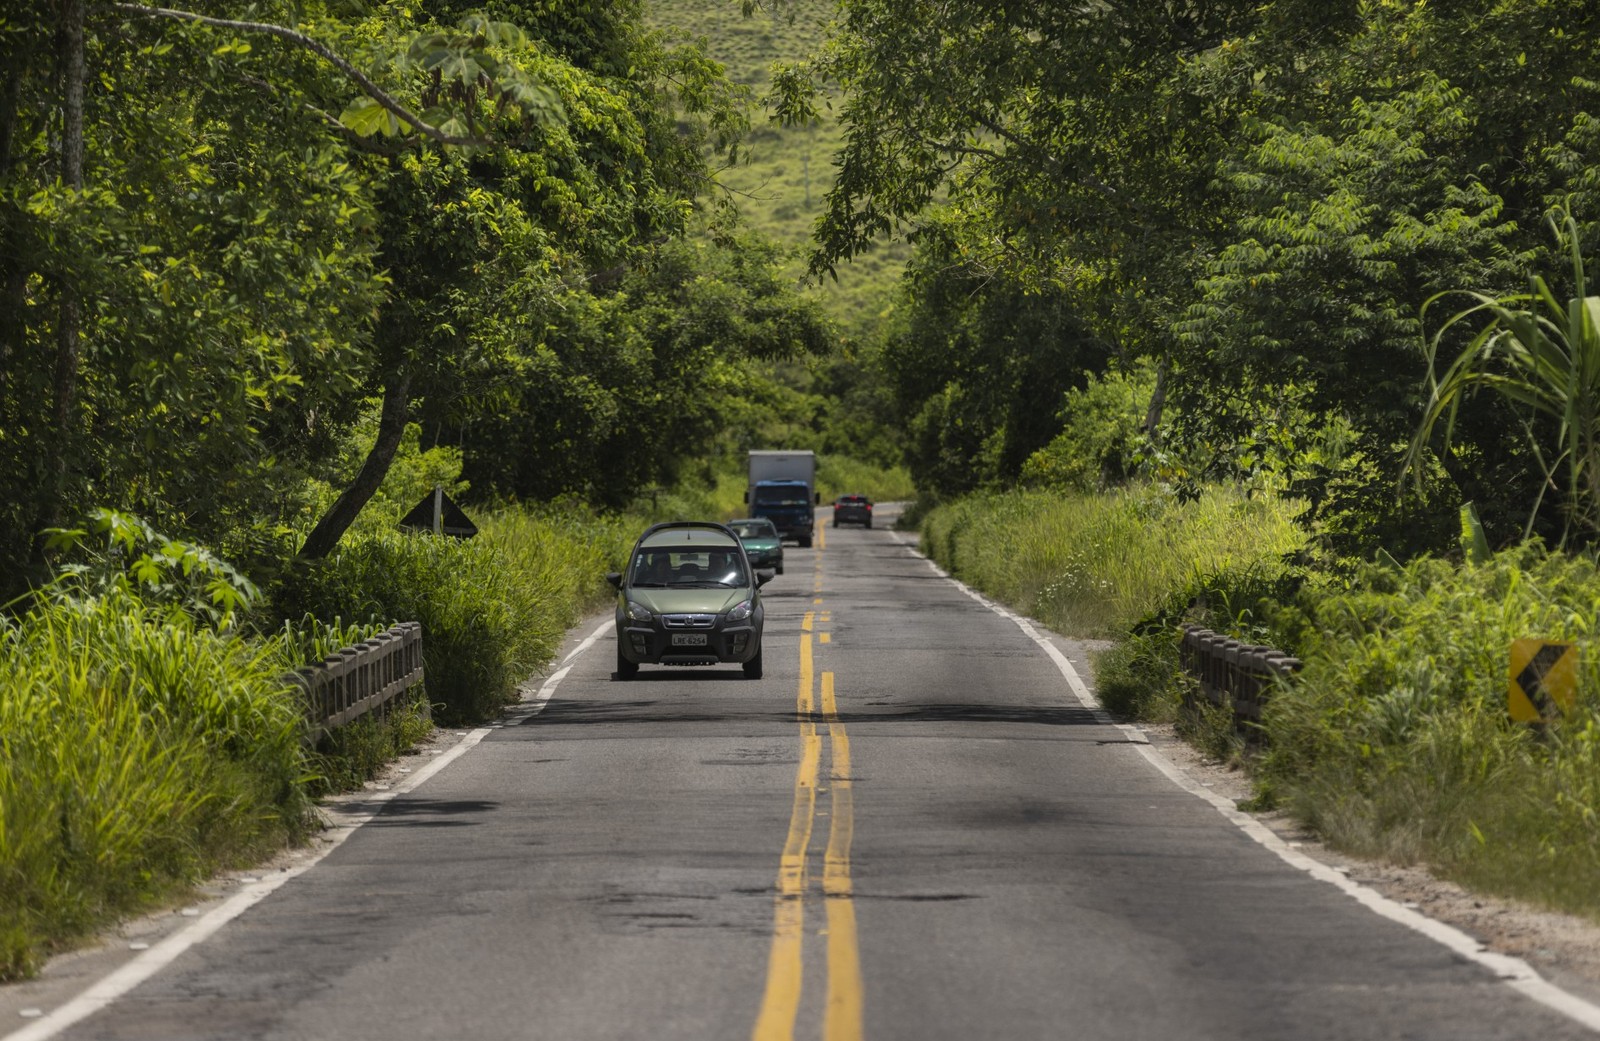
(911, 828)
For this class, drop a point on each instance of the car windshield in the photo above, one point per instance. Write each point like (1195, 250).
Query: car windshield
(754, 529)
(685, 568)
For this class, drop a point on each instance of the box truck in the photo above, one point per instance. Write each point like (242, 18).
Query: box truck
(783, 489)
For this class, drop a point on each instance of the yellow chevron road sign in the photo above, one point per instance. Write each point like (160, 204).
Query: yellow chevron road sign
(1544, 679)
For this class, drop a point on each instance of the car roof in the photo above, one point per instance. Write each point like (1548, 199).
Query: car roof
(752, 520)
(688, 533)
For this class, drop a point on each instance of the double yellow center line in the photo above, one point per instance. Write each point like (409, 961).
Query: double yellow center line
(780, 1004)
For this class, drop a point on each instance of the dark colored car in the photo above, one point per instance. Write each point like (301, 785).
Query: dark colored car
(761, 542)
(689, 597)
(852, 509)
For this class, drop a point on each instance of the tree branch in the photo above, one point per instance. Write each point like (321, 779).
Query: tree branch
(1088, 180)
(300, 39)
(353, 139)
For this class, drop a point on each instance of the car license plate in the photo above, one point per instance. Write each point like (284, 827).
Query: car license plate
(688, 639)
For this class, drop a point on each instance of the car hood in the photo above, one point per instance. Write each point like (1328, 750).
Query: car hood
(689, 601)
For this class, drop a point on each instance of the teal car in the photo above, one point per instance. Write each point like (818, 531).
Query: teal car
(761, 542)
(688, 597)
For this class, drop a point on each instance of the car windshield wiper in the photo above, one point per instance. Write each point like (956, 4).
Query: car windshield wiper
(650, 585)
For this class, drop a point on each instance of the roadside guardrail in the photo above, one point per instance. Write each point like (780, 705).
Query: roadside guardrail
(1234, 674)
(361, 679)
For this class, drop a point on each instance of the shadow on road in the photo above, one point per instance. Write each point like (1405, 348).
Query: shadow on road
(956, 713)
(655, 712)
(418, 812)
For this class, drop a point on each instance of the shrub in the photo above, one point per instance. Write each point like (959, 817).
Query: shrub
(1395, 739)
(493, 608)
(1096, 565)
(139, 749)
(1102, 438)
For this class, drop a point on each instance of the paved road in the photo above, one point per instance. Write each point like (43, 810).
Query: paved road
(943, 843)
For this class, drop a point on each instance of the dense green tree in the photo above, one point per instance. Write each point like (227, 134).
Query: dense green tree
(1405, 157)
(277, 215)
(1071, 161)
(980, 365)
(1257, 197)
(196, 272)
(629, 389)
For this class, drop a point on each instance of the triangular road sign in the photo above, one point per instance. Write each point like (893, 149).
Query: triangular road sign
(436, 513)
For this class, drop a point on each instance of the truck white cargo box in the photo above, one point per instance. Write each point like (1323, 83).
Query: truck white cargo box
(783, 466)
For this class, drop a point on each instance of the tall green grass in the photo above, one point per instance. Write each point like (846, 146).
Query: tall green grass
(144, 742)
(139, 750)
(1096, 564)
(839, 475)
(1395, 740)
(493, 609)
(565, 553)
(355, 753)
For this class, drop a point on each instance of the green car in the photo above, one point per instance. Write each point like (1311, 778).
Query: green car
(689, 597)
(761, 542)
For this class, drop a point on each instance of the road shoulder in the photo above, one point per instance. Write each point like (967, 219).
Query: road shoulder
(1563, 948)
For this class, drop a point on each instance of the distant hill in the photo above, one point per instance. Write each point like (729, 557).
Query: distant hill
(785, 172)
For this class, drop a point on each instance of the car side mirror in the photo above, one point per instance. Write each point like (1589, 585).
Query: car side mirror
(764, 576)
(615, 578)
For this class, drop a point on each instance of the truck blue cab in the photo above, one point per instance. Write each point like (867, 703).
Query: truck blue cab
(783, 489)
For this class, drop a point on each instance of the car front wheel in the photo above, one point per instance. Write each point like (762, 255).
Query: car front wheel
(626, 670)
(752, 668)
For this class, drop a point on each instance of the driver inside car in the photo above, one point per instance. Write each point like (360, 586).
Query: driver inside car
(723, 569)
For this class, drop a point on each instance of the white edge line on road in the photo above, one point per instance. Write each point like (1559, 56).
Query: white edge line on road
(1515, 972)
(147, 963)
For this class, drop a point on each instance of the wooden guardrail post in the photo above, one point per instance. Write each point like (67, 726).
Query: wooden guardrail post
(1231, 673)
(357, 680)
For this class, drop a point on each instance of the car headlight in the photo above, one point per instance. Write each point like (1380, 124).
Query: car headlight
(637, 612)
(740, 611)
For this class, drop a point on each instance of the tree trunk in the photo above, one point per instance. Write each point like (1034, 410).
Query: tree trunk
(391, 427)
(70, 74)
(13, 278)
(1158, 402)
(8, 109)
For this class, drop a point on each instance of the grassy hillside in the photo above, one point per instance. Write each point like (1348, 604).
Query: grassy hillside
(785, 172)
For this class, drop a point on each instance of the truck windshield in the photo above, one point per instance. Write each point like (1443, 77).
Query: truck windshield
(782, 497)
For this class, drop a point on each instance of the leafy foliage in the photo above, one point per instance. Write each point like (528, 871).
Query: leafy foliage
(628, 390)
(493, 609)
(1103, 442)
(139, 750)
(1257, 198)
(1543, 355)
(979, 364)
(121, 554)
(1395, 738)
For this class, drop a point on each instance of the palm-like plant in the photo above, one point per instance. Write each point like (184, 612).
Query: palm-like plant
(1538, 352)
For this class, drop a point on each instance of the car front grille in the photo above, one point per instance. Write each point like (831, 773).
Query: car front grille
(689, 621)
